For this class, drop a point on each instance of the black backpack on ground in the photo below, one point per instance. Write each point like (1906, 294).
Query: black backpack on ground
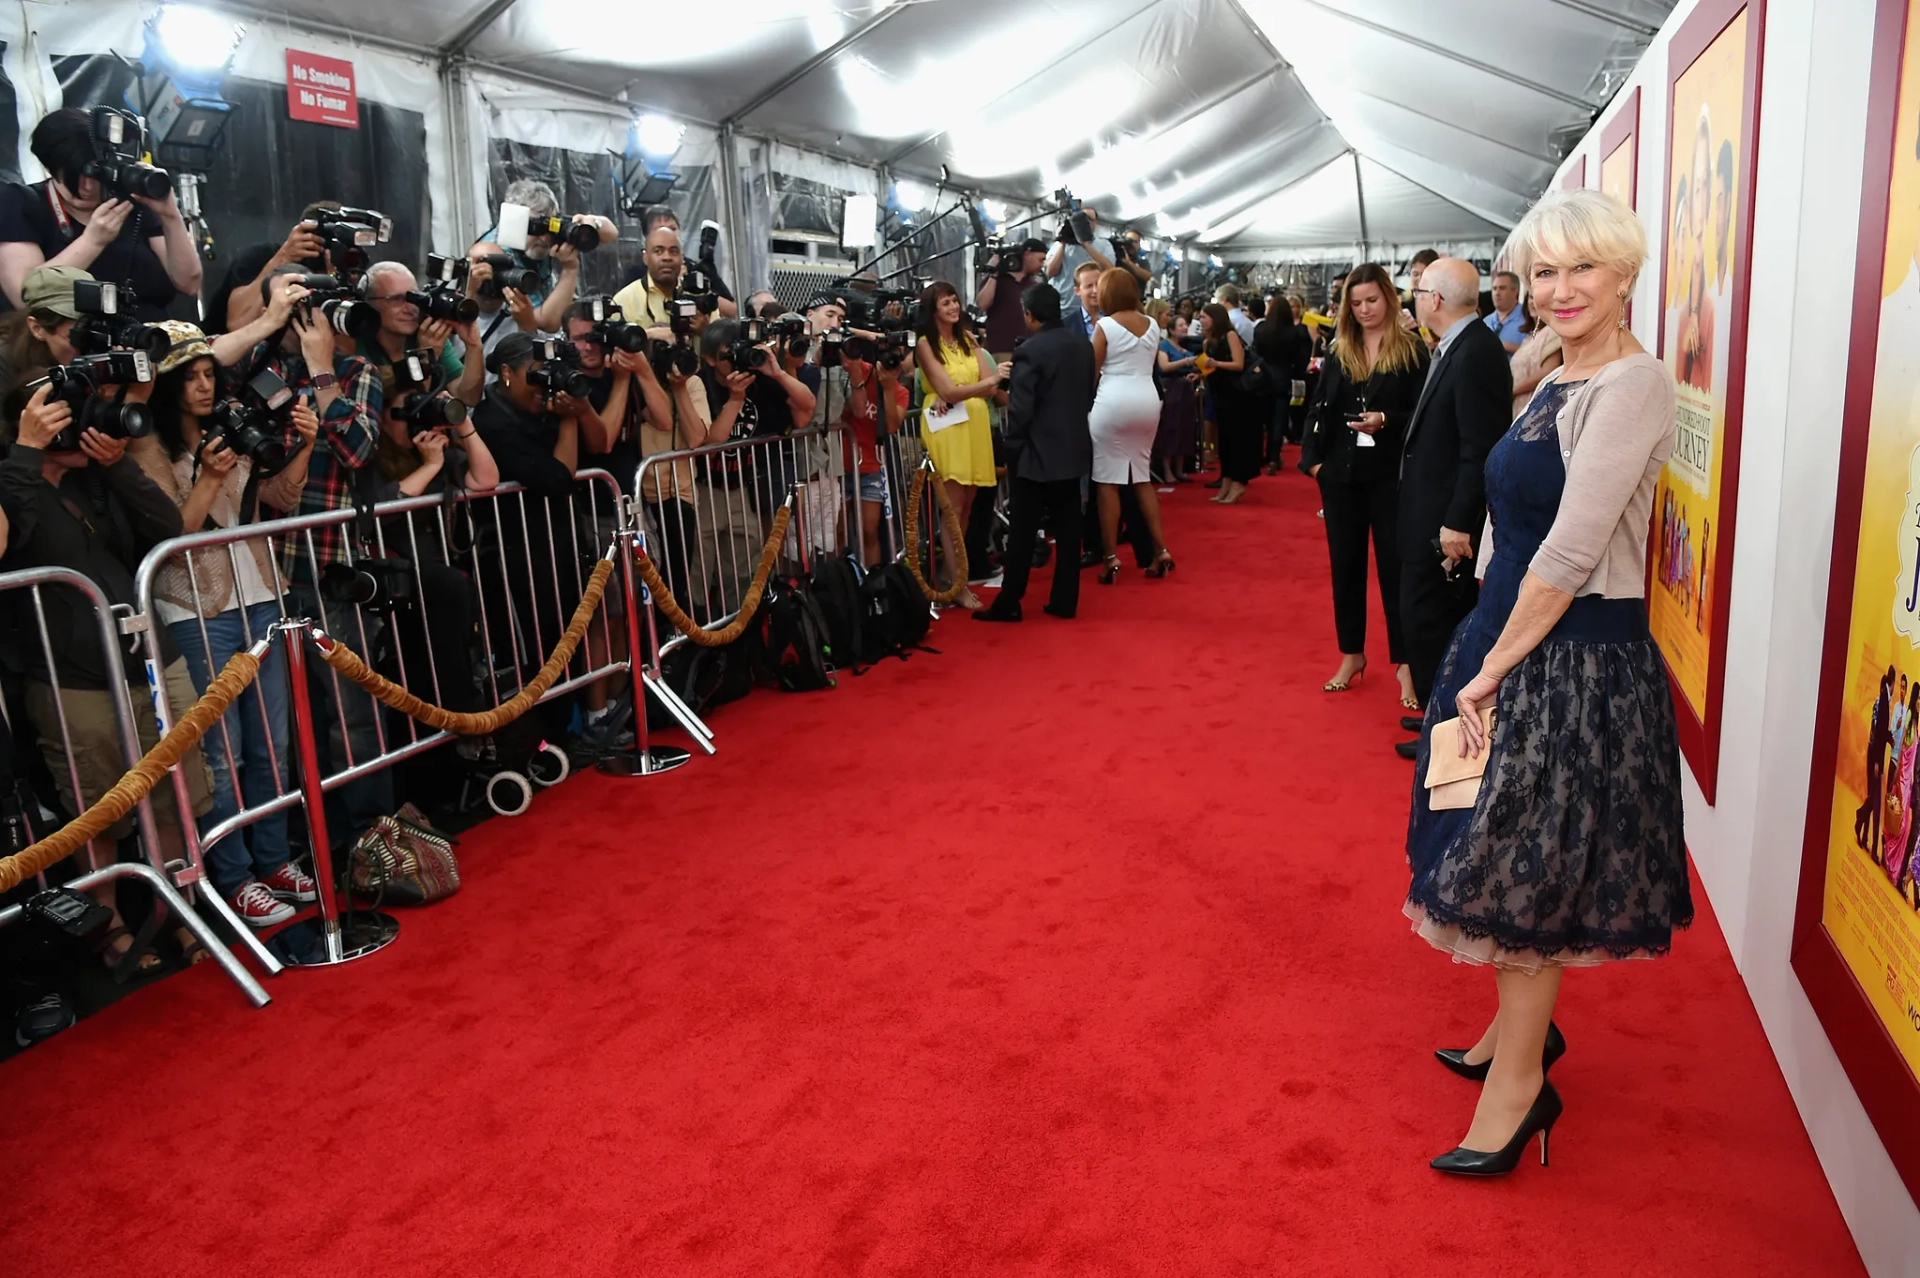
(894, 614)
(798, 642)
(706, 677)
(835, 588)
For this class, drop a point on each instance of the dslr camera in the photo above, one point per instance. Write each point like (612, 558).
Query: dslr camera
(105, 326)
(791, 331)
(379, 585)
(584, 236)
(445, 297)
(83, 384)
(678, 355)
(350, 235)
(558, 372)
(696, 286)
(418, 397)
(253, 424)
(119, 157)
(745, 354)
(610, 329)
(507, 274)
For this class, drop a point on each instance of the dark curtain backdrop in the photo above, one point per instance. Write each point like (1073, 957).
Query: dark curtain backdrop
(267, 167)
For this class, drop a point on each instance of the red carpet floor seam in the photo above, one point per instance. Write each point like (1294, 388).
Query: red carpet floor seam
(1074, 949)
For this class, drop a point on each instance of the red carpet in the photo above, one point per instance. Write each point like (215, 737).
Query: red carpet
(1074, 950)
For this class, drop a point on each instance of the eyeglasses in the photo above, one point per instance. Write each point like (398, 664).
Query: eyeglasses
(1432, 292)
(388, 297)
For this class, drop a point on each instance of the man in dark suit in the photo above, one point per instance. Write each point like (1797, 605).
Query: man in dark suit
(1048, 399)
(1463, 411)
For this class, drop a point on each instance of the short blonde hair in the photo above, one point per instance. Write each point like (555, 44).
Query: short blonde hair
(1584, 226)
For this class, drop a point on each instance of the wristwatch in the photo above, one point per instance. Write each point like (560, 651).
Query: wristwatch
(322, 381)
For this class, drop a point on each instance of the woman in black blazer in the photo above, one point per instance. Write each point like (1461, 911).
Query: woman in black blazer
(1369, 386)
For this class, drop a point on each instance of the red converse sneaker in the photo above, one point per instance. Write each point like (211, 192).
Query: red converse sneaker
(291, 883)
(259, 907)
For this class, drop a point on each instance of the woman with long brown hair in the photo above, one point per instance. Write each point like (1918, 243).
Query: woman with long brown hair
(955, 371)
(1234, 419)
(1354, 432)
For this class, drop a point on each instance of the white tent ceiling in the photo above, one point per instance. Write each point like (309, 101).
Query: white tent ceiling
(1255, 127)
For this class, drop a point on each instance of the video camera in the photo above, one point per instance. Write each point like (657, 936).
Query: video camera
(105, 326)
(253, 423)
(1076, 227)
(507, 274)
(444, 297)
(119, 157)
(557, 371)
(350, 234)
(419, 399)
(584, 236)
(610, 327)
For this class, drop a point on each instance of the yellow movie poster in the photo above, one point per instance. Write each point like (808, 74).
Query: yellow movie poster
(1705, 178)
(1616, 172)
(1871, 906)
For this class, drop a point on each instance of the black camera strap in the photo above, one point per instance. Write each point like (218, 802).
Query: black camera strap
(500, 317)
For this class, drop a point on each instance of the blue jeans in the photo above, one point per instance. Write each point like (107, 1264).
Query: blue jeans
(230, 862)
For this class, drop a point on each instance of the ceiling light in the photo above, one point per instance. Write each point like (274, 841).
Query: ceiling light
(994, 209)
(658, 135)
(195, 39)
(912, 196)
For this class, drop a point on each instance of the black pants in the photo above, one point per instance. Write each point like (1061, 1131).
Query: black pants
(1237, 422)
(1353, 512)
(979, 533)
(1279, 413)
(1430, 608)
(1058, 502)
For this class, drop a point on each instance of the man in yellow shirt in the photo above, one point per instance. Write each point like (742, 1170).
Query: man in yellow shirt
(645, 301)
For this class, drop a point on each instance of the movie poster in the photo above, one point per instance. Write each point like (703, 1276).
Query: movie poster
(1616, 172)
(1871, 906)
(1706, 150)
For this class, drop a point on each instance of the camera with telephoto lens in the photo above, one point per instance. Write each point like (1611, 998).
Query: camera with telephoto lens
(558, 370)
(106, 325)
(444, 295)
(610, 329)
(507, 274)
(119, 157)
(419, 397)
(350, 235)
(584, 236)
(83, 384)
(378, 585)
(352, 317)
(791, 331)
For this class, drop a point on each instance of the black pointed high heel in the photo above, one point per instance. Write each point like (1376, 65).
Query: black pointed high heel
(1111, 572)
(1541, 1116)
(1455, 1058)
(1162, 564)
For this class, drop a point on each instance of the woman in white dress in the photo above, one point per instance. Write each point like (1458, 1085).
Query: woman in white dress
(1126, 416)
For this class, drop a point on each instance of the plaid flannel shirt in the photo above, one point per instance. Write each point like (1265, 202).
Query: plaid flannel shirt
(349, 430)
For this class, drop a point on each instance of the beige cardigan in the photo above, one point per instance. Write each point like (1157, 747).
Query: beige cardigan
(212, 568)
(1616, 432)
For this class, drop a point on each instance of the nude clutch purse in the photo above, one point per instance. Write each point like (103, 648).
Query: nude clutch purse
(1454, 782)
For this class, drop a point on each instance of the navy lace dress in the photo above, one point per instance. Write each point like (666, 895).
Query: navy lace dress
(1574, 851)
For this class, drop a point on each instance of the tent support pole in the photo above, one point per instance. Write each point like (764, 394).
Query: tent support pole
(1360, 198)
(727, 194)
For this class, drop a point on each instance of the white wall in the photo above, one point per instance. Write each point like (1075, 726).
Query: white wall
(1748, 847)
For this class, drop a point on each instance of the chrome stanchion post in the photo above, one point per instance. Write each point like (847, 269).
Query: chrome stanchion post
(645, 759)
(327, 938)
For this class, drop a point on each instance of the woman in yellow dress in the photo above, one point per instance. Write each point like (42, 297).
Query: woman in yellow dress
(954, 371)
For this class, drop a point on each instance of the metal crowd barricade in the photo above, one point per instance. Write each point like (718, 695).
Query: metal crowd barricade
(526, 558)
(28, 619)
(904, 452)
(704, 513)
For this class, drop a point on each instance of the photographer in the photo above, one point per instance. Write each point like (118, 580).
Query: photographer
(1129, 257)
(237, 302)
(1069, 255)
(76, 501)
(71, 220)
(215, 603)
(1009, 274)
(872, 390)
(390, 286)
(343, 391)
(646, 300)
(758, 401)
(556, 264)
(625, 390)
(659, 215)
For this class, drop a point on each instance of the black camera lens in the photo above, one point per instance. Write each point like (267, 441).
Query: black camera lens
(584, 236)
(355, 319)
(429, 412)
(116, 421)
(145, 180)
(445, 304)
(756, 357)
